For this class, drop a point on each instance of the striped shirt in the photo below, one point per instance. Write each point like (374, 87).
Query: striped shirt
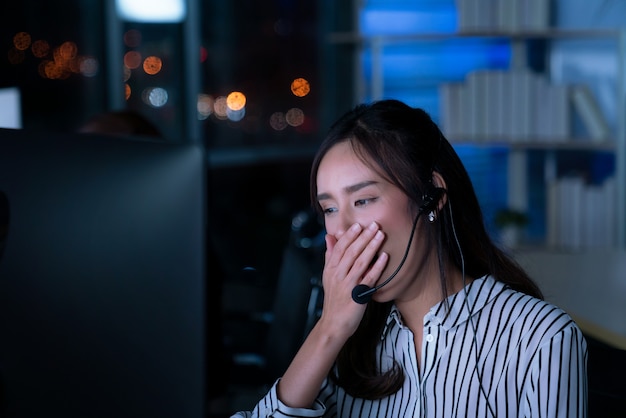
(495, 353)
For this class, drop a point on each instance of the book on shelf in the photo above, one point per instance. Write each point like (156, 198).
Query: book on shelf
(471, 106)
(449, 109)
(501, 107)
(534, 14)
(507, 16)
(492, 104)
(557, 103)
(587, 107)
(480, 95)
(475, 15)
(510, 106)
(551, 111)
(579, 215)
(522, 81)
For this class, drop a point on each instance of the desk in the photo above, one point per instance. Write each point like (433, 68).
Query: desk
(590, 286)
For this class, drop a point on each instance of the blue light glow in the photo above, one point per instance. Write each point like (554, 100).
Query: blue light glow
(152, 11)
(413, 70)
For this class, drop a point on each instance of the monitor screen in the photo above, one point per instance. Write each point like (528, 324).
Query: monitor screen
(101, 276)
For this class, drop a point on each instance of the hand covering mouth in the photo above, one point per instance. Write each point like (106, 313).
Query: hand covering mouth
(371, 264)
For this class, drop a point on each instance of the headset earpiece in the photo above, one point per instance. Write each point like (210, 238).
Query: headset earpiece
(431, 198)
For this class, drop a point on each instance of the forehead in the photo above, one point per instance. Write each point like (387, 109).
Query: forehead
(342, 166)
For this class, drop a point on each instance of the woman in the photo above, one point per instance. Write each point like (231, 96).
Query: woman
(460, 330)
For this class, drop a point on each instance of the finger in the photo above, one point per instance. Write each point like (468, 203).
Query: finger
(374, 273)
(354, 250)
(364, 260)
(330, 244)
(342, 243)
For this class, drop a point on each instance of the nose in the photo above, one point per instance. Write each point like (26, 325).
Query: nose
(340, 223)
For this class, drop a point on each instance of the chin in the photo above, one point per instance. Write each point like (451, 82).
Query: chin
(381, 297)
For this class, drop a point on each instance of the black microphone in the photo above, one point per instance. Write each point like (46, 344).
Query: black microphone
(362, 293)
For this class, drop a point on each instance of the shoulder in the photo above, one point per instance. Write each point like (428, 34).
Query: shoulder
(534, 321)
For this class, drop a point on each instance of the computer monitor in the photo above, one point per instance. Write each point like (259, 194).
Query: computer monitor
(102, 275)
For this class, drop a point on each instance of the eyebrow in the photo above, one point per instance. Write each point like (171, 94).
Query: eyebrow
(348, 189)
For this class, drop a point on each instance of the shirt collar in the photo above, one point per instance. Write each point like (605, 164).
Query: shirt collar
(468, 301)
(394, 317)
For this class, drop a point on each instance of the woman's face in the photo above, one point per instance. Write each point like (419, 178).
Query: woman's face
(349, 192)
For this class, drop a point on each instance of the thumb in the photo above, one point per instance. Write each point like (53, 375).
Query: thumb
(330, 243)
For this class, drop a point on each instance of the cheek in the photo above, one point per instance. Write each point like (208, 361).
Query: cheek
(397, 229)
(396, 220)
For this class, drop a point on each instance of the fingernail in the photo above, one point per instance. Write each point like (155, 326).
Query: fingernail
(373, 226)
(379, 235)
(356, 227)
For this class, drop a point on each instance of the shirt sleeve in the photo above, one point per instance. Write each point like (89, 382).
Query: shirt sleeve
(271, 406)
(558, 381)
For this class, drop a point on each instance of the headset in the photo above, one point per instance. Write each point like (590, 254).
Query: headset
(362, 294)
(470, 311)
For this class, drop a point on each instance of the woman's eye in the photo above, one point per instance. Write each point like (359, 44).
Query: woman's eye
(363, 202)
(328, 211)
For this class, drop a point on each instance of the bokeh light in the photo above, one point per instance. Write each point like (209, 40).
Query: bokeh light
(220, 108)
(68, 50)
(40, 48)
(53, 70)
(64, 61)
(300, 87)
(41, 69)
(236, 100)
(152, 65)
(235, 115)
(294, 117)
(132, 59)
(205, 106)
(278, 121)
(22, 41)
(56, 54)
(89, 66)
(126, 73)
(60, 68)
(155, 96)
(127, 91)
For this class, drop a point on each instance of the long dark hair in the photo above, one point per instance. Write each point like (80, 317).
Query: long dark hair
(405, 146)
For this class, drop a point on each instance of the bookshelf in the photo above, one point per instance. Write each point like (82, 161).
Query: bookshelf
(527, 138)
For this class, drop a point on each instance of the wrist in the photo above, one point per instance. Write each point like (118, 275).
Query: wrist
(333, 331)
